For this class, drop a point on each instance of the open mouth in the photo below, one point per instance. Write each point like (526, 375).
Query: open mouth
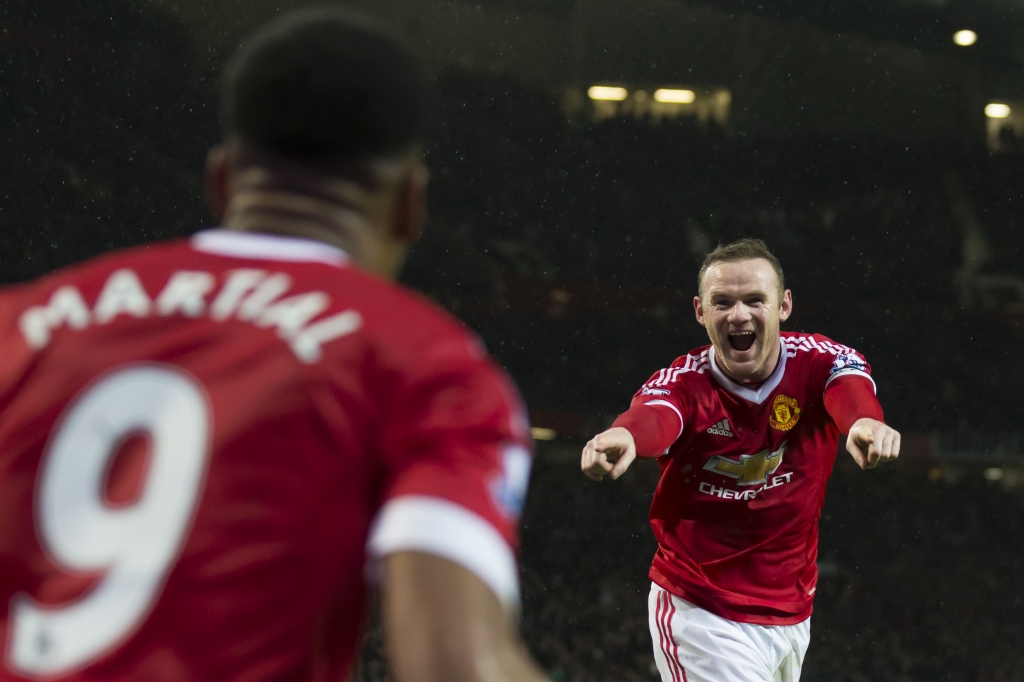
(742, 341)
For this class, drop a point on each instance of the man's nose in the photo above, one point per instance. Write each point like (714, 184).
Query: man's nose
(740, 313)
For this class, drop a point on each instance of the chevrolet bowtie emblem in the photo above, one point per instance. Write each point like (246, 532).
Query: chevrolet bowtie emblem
(750, 469)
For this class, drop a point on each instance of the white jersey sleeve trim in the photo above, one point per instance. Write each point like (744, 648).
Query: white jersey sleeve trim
(851, 372)
(436, 526)
(674, 409)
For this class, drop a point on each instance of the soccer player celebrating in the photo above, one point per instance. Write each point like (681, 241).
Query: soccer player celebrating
(203, 442)
(746, 432)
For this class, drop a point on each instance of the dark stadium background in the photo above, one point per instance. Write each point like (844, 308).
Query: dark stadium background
(856, 143)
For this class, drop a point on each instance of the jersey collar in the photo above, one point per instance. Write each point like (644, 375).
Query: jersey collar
(235, 244)
(759, 395)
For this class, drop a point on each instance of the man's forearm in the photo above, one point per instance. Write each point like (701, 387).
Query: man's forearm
(652, 432)
(442, 624)
(851, 398)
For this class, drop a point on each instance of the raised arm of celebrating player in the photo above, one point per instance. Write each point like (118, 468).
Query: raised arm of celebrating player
(648, 430)
(852, 404)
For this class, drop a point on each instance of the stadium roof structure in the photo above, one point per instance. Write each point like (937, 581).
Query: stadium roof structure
(924, 24)
(840, 68)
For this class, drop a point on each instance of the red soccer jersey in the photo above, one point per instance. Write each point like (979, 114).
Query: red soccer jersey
(736, 509)
(199, 438)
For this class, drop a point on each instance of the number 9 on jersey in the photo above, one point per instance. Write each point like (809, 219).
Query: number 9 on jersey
(133, 546)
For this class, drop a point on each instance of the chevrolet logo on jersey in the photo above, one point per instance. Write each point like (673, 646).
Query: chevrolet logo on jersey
(750, 469)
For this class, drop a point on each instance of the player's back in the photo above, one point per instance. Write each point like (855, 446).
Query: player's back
(194, 440)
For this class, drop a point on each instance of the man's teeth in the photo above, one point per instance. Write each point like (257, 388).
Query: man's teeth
(742, 341)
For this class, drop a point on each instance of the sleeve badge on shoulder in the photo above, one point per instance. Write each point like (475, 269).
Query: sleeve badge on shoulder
(508, 490)
(848, 361)
(785, 413)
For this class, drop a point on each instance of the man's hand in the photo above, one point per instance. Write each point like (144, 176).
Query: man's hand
(616, 442)
(870, 442)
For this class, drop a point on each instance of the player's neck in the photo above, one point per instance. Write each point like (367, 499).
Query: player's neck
(352, 228)
(334, 210)
(255, 219)
(762, 375)
(365, 246)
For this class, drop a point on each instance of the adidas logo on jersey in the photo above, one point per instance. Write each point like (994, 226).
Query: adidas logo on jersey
(722, 428)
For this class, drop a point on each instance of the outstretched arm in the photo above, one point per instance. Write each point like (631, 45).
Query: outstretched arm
(443, 624)
(852, 404)
(644, 430)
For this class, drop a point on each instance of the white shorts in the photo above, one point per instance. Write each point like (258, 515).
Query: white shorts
(694, 645)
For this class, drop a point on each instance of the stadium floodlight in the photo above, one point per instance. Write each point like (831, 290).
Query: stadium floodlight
(607, 92)
(674, 96)
(540, 433)
(997, 110)
(965, 38)
(993, 474)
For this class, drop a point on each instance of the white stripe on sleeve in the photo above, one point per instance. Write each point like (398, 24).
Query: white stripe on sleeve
(419, 523)
(674, 409)
(850, 371)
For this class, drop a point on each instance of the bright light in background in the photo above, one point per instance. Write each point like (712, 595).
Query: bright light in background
(674, 96)
(540, 433)
(607, 92)
(993, 474)
(965, 38)
(997, 110)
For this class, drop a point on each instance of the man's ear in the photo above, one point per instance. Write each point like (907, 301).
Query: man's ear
(217, 172)
(698, 310)
(786, 309)
(411, 211)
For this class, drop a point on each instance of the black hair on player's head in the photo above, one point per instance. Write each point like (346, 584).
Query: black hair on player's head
(326, 86)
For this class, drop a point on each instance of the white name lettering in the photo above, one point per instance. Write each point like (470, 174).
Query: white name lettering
(308, 342)
(65, 307)
(248, 295)
(265, 293)
(122, 295)
(185, 294)
(238, 284)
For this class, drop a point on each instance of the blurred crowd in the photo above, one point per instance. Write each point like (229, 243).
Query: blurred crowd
(572, 247)
(921, 576)
(606, 224)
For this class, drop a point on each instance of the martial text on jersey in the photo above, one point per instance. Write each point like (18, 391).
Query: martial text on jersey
(248, 295)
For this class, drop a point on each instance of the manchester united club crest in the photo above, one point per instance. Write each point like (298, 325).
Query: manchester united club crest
(785, 413)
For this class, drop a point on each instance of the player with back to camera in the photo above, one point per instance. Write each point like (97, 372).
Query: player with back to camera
(203, 441)
(745, 431)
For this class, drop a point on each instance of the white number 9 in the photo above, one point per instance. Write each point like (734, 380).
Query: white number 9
(135, 546)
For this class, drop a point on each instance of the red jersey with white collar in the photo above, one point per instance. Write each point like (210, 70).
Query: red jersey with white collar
(736, 509)
(200, 438)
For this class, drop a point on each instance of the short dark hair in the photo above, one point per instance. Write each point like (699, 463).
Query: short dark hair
(743, 249)
(326, 85)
